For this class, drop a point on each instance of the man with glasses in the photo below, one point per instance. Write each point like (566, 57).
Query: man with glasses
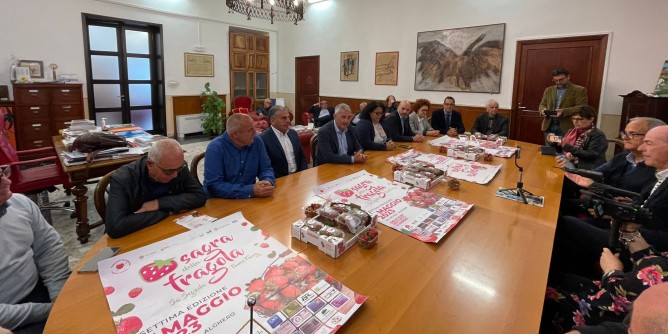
(33, 265)
(448, 120)
(151, 188)
(560, 102)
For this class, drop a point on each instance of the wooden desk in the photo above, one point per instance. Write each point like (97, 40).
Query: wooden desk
(79, 174)
(488, 275)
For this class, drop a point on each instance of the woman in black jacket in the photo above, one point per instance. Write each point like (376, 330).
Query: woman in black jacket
(369, 131)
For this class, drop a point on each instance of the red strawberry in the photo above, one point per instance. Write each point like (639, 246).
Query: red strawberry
(344, 192)
(135, 292)
(129, 325)
(264, 245)
(274, 271)
(157, 269)
(373, 233)
(279, 281)
(290, 264)
(256, 285)
(119, 266)
(290, 291)
(109, 290)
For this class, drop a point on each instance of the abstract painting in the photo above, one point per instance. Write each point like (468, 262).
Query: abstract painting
(387, 68)
(462, 59)
(350, 66)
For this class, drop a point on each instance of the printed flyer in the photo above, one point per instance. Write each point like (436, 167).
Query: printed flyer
(488, 145)
(201, 281)
(461, 169)
(423, 215)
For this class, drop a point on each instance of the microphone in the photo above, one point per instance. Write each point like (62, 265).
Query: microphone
(251, 302)
(517, 151)
(594, 175)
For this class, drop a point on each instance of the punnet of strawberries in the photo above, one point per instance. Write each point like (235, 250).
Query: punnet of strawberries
(368, 238)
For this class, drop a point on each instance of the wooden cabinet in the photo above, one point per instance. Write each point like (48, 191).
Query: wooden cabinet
(249, 66)
(637, 104)
(42, 109)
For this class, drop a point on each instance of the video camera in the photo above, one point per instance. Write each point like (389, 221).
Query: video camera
(609, 201)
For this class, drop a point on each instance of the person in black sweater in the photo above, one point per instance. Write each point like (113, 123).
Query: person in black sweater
(369, 130)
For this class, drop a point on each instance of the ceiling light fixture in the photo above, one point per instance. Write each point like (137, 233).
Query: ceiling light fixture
(279, 10)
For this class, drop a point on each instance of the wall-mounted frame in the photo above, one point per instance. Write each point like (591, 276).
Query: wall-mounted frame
(387, 68)
(350, 64)
(462, 59)
(198, 64)
(36, 67)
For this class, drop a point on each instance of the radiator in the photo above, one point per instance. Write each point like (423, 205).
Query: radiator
(186, 124)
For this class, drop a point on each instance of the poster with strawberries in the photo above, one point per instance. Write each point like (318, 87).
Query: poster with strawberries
(201, 281)
(489, 146)
(460, 169)
(421, 214)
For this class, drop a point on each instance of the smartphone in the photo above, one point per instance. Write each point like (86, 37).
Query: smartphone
(91, 265)
(550, 112)
(405, 146)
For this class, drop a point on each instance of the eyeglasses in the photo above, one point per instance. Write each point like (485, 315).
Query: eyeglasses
(578, 119)
(169, 171)
(559, 80)
(630, 134)
(5, 171)
(378, 113)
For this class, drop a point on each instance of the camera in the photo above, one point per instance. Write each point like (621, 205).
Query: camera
(548, 112)
(605, 201)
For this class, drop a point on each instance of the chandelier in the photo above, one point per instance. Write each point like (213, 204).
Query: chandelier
(279, 10)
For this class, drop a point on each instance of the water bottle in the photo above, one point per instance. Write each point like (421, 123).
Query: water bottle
(104, 123)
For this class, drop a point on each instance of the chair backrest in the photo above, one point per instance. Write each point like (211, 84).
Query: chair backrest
(243, 102)
(305, 117)
(99, 197)
(194, 165)
(7, 151)
(314, 148)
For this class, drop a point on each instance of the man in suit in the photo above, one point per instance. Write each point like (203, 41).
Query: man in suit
(263, 110)
(336, 143)
(563, 99)
(398, 125)
(448, 120)
(322, 114)
(282, 143)
(491, 123)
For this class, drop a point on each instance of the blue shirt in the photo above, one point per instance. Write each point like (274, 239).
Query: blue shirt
(230, 171)
(343, 142)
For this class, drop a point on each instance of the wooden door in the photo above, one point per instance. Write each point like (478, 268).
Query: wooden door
(584, 56)
(307, 84)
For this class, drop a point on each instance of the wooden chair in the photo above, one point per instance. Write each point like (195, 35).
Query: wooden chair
(194, 165)
(314, 148)
(99, 197)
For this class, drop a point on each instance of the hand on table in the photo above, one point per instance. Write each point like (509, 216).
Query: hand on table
(581, 181)
(149, 206)
(418, 138)
(263, 189)
(360, 157)
(452, 132)
(433, 133)
(389, 145)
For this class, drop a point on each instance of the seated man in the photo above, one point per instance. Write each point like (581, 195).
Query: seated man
(336, 143)
(448, 120)
(398, 125)
(263, 110)
(491, 123)
(234, 161)
(322, 114)
(33, 265)
(356, 118)
(282, 144)
(151, 188)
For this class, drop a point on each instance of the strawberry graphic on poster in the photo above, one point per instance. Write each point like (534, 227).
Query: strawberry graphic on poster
(157, 269)
(344, 192)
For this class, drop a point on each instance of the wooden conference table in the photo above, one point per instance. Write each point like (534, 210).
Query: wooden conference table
(487, 275)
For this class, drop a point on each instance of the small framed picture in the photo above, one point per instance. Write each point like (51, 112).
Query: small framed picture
(36, 67)
(198, 64)
(387, 68)
(349, 66)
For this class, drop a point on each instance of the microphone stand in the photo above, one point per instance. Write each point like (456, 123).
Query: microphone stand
(251, 302)
(519, 191)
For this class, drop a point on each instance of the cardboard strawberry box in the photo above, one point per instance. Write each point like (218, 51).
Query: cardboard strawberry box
(470, 153)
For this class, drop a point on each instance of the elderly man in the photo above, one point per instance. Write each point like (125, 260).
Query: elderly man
(234, 161)
(336, 143)
(33, 264)
(561, 101)
(356, 118)
(322, 114)
(151, 188)
(398, 125)
(448, 120)
(263, 110)
(491, 123)
(282, 144)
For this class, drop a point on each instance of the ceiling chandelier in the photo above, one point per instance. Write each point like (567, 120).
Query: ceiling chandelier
(279, 10)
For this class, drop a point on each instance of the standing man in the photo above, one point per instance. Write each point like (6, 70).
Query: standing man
(282, 144)
(322, 114)
(560, 101)
(491, 123)
(398, 125)
(151, 188)
(336, 143)
(448, 121)
(263, 110)
(235, 159)
(33, 264)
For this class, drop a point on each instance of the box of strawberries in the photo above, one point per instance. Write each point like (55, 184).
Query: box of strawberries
(418, 174)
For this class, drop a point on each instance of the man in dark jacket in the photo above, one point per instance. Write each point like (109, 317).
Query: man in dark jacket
(336, 142)
(282, 143)
(491, 123)
(148, 190)
(398, 126)
(448, 120)
(322, 113)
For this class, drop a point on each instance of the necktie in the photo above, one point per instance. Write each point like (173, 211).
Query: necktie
(403, 126)
(447, 121)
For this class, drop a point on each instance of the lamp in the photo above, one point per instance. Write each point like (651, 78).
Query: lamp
(279, 10)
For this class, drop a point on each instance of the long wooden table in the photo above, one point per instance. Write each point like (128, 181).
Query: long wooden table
(488, 275)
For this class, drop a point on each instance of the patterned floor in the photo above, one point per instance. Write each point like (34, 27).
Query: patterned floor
(66, 226)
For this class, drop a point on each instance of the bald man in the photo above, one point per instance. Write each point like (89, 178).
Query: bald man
(263, 110)
(398, 125)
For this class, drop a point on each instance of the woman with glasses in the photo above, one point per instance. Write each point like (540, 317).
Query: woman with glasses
(418, 119)
(584, 145)
(370, 132)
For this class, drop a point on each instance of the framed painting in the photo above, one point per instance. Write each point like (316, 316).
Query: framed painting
(461, 59)
(349, 70)
(36, 67)
(198, 65)
(387, 68)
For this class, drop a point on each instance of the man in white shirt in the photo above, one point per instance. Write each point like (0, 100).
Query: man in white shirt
(282, 144)
(322, 113)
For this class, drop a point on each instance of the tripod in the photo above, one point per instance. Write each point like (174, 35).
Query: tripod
(519, 191)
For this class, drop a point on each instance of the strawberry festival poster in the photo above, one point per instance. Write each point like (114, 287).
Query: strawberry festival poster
(420, 214)
(461, 169)
(489, 146)
(203, 281)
